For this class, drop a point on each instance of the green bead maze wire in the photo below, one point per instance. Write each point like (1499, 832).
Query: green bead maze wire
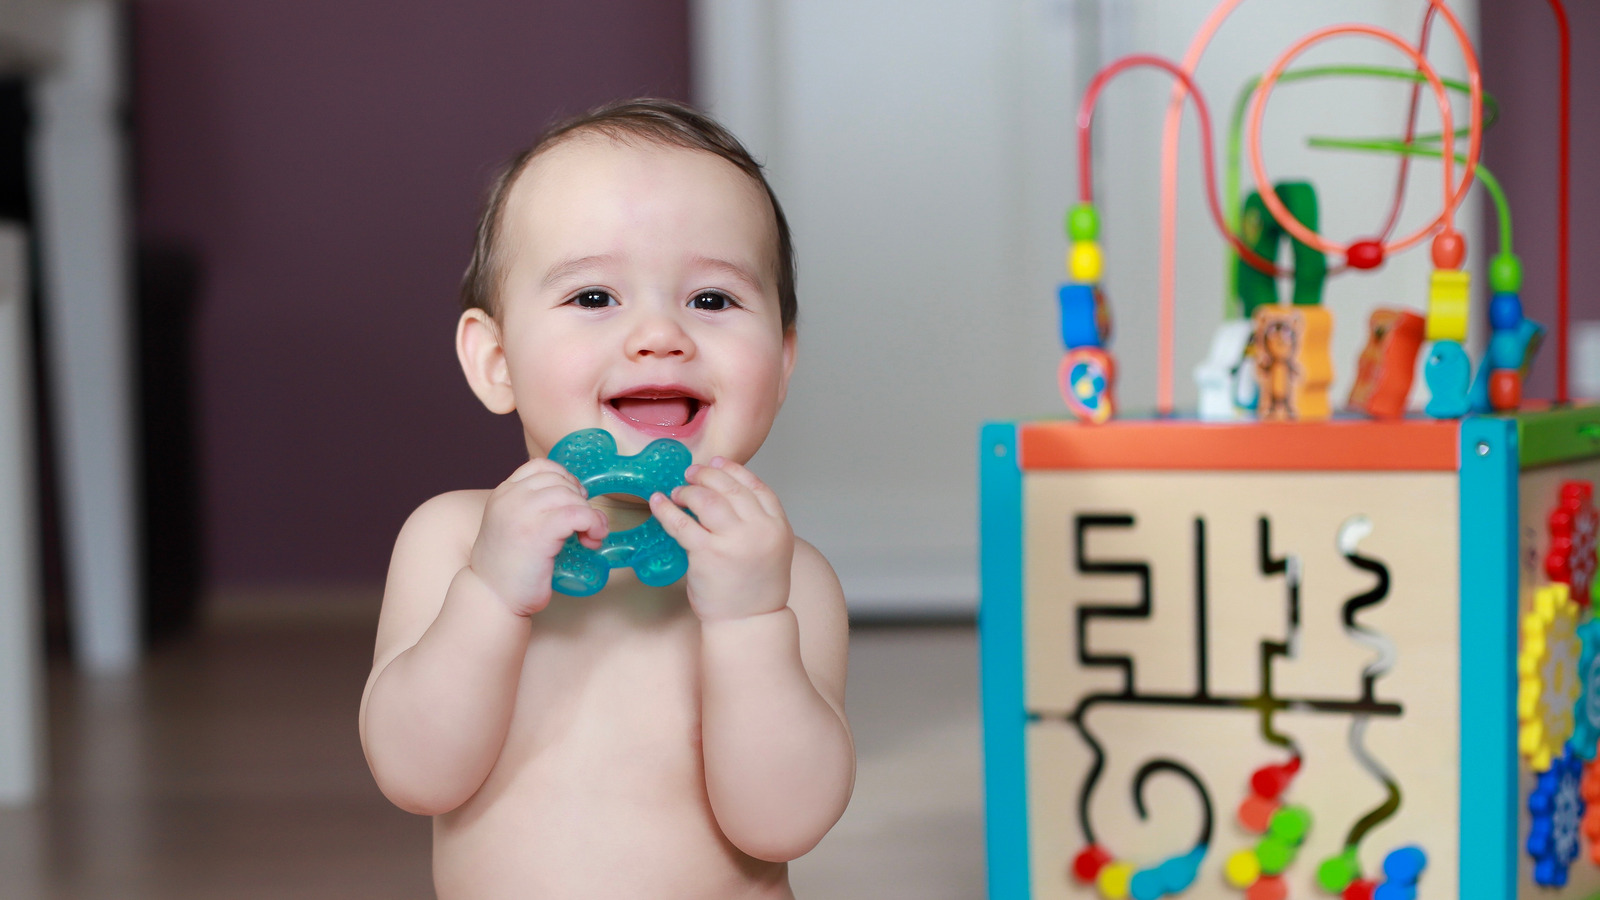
(1490, 184)
(1417, 147)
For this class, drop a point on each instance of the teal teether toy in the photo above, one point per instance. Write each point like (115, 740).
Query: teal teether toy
(591, 456)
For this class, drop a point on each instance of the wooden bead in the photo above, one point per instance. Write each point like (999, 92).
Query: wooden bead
(1085, 263)
(1505, 274)
(1505, 389)
(1449, 250)
(1083, 223)
(1448, 294)
(1364, 255)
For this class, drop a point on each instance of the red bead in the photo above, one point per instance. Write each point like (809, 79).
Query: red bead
(1364, 255)
(1449, 250)
(1361, 889)
(1088, 863)
(1505, 389)
(1270, 781)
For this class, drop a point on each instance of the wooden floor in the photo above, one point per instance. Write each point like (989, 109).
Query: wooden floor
(229, 767)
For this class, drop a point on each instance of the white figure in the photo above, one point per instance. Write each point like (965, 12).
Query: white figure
(1227, 392)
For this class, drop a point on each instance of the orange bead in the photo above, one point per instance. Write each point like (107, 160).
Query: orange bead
(1449, 250)
(1505, 389)
(1269, 887)
(1255, 813)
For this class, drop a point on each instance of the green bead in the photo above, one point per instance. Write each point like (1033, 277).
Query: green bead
(1290, 824)
(1505, 274)
(1275, 855)
(1337, 872)
(1083, 223)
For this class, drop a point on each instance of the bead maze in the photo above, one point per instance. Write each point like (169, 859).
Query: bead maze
(1285, 650)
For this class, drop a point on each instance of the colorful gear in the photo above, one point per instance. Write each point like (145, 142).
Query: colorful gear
(1548, 675)
(1574, 536)
(1557, 807)
(1586, 712)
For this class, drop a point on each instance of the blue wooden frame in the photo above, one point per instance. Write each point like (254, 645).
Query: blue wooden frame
(1000, 659)
(1489, 471)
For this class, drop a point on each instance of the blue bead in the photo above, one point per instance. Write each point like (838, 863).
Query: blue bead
(1405, 864)
(1179, 872)
(1147, 885)
(1505, 312)
(1393, 891)
(1080, 326)
(1505, 350)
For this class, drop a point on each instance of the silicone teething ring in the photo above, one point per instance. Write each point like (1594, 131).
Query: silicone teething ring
(591, 456)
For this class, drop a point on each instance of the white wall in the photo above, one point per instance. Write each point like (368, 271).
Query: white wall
(924, 152)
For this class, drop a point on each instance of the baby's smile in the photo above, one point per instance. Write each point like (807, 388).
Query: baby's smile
(660, 411)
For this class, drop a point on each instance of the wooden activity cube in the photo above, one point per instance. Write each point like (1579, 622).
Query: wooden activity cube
(1171, 606)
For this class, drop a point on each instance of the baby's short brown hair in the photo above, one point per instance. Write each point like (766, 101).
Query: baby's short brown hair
(665, 122)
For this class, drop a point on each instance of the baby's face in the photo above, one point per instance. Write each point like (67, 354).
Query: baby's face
(640, 296)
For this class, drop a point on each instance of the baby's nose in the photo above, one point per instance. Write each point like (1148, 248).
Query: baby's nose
(660, 336)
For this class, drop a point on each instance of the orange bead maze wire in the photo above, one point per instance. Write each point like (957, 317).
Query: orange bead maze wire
(1452, 195)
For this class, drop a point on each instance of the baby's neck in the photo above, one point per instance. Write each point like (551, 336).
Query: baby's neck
(623, 511)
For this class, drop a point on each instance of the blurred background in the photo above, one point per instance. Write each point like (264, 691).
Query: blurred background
(228, 265)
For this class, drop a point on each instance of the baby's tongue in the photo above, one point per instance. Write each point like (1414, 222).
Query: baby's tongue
(665, 411)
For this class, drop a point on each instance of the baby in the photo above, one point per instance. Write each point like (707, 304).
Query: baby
(632, 272)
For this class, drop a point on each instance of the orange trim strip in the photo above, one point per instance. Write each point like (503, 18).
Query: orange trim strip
(1357, 445)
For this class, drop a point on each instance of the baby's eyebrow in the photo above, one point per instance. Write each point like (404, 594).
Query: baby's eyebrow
(743, 273)
(569, 267)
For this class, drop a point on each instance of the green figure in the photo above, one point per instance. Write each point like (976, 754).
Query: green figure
(1262, 233)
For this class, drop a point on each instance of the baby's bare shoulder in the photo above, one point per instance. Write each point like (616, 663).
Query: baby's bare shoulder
(452, 517)
(434, 543)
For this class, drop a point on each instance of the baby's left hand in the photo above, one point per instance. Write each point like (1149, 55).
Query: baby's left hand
(741, 547)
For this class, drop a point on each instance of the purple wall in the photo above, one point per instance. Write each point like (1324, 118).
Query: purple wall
(1520, 69)
(326, 160)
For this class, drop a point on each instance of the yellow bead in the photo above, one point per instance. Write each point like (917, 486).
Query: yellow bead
(1084, 262)
(1114, 881)
(1447, 305)
(1243, 869)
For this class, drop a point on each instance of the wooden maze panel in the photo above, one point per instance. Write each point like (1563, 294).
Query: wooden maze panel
(1185, 679)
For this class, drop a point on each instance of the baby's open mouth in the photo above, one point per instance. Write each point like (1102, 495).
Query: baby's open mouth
(659, 409)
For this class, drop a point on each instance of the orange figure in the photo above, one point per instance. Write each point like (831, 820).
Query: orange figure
(1387, 365)
(1293, 367)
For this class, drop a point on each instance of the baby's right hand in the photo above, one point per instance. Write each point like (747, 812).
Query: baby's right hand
(525, 522)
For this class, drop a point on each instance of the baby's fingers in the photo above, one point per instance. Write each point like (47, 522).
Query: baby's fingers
(542, 466)
(677, 523)
(763, 494)
(585, 522)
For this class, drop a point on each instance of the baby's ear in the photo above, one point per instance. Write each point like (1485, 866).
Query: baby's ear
(790, 348)
(483, 360)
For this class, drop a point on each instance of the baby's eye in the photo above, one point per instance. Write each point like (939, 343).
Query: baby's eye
(593, 299)
(712, 300)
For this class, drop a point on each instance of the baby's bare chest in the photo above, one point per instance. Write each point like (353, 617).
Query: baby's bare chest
(602, 772)
(611, 693)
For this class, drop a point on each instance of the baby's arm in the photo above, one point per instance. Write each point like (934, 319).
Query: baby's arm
(465, 576)
(779, 760)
